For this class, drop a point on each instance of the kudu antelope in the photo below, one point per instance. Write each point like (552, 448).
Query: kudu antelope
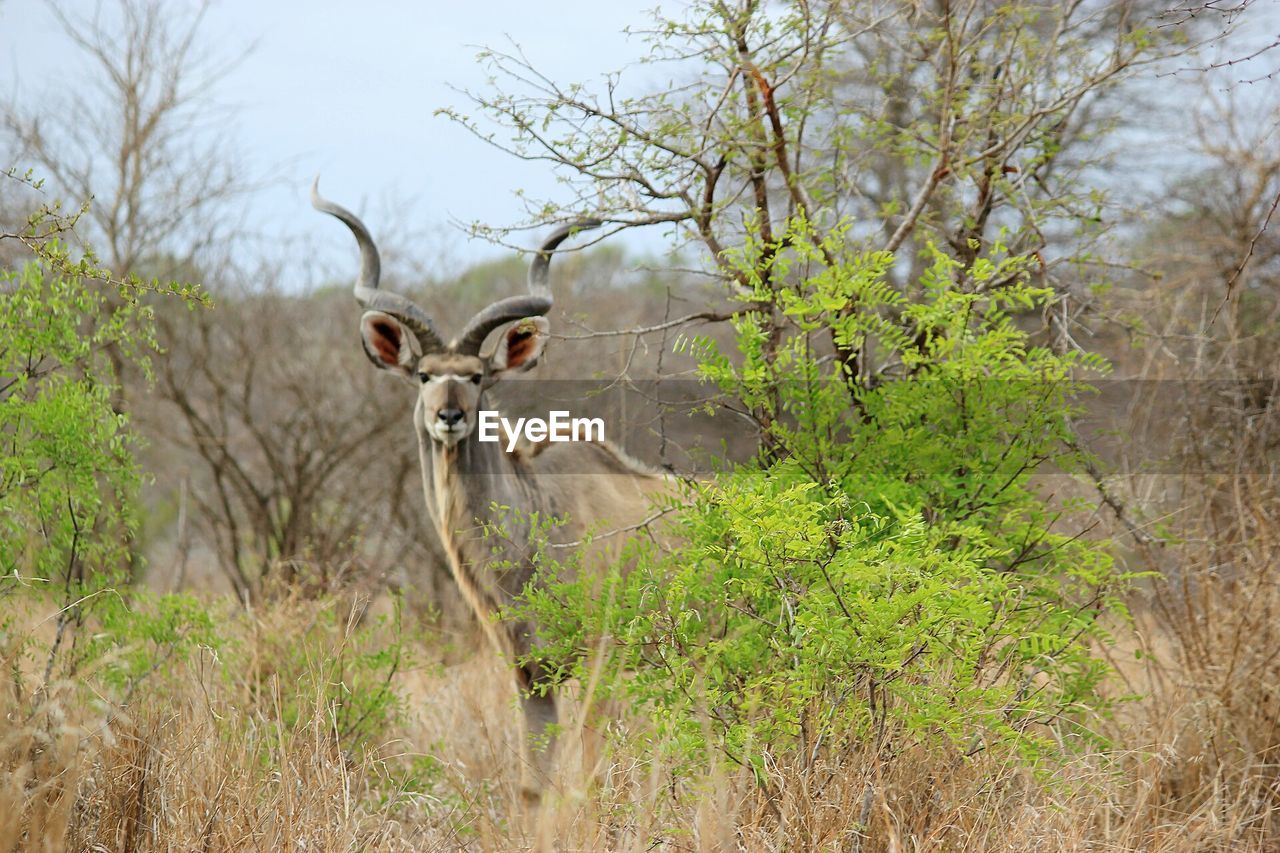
(585, 484)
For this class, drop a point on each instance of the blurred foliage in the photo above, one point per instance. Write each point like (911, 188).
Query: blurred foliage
(43, 235)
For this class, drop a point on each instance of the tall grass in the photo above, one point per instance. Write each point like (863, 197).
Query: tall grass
(317, 725)
(231, 748)
(242, 748)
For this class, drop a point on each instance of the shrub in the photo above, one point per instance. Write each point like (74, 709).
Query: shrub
(68, 472)
(885, 572)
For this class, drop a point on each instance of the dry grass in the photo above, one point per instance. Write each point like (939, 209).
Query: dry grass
(202, 758)
(207, 756)
(205, 763)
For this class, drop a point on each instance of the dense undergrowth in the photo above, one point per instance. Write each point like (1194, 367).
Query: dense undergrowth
(873, 636)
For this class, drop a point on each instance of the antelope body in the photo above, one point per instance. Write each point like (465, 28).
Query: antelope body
(586, 485)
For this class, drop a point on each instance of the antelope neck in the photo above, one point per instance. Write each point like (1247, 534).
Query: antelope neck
(462, 484)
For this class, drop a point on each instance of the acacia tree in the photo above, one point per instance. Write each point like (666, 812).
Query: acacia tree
(130, 143)
(885, 190)
(963, 124)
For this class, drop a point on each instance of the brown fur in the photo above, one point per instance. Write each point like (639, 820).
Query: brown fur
(591, 487)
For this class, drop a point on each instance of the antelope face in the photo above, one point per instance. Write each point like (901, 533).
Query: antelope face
(450, 390)
(450, 384)
(399, 336)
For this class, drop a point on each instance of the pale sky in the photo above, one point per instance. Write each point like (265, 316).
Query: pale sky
(350, 95)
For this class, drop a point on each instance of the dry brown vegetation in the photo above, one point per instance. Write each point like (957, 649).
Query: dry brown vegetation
(242, 750)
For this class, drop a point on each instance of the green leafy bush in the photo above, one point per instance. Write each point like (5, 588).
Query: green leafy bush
(68, 471)
(886, 571)
(69, 481)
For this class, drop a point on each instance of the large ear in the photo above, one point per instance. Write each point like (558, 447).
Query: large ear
(388, 343)
(520, 347)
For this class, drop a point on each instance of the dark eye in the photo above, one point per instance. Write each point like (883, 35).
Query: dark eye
(476, 377)
(424, 377)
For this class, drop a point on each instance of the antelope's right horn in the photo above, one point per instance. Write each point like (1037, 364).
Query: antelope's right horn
(366, 289)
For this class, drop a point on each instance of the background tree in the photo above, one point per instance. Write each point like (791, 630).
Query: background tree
(145, 139)
(968, 125)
